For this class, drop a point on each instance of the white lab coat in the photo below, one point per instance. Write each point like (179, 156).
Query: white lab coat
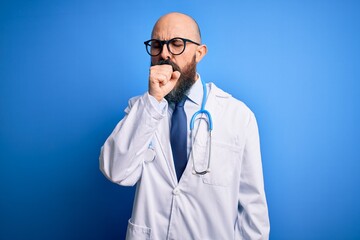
(227, 203)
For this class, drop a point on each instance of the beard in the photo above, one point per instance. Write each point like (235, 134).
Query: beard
(184, 83)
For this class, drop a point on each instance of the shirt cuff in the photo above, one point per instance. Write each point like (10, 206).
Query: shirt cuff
(159, 106)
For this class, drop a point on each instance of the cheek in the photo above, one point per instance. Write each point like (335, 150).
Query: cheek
(182, 61)
(181, 65)
(155, 59)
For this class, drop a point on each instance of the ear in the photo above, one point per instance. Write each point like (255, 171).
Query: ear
(200, 52)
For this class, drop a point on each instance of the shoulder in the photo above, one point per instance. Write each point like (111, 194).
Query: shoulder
(133, 100)
(228, 101)
(231, 117)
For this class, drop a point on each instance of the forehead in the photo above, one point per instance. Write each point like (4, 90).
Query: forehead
(170, 27)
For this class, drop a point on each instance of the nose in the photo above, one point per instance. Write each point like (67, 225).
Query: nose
(165, 54)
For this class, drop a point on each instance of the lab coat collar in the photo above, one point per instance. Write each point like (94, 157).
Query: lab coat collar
(217, 91)
(196, 91)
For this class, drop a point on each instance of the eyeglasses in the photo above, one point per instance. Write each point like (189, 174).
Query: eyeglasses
(175, 46)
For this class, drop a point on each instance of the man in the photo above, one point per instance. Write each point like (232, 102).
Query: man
(192, 182)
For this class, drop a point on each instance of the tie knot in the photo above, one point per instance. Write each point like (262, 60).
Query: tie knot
(181, 103)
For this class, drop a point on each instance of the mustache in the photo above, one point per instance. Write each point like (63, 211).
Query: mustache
(168, 62)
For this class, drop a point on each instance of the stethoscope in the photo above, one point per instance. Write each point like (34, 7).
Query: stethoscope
(205, 115)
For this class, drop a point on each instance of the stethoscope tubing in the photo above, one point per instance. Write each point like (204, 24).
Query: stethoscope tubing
(202, 110)
(210, 128)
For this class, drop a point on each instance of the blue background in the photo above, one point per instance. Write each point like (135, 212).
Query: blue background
(67, 69)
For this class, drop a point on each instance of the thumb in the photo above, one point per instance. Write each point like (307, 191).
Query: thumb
(175, 75)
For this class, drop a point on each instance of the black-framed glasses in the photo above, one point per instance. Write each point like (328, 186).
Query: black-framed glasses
(175, 46)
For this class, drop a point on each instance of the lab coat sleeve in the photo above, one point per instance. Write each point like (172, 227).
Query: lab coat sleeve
(122, 154)
(253, 221)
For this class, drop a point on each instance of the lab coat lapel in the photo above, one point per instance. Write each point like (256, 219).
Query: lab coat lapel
(214, 104)
(163, 137)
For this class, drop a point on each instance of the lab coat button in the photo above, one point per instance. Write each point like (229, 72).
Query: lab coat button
(176, 191)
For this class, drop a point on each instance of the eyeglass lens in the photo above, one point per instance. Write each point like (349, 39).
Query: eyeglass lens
(175, 46)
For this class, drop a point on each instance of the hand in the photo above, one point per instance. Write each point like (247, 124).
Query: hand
(162, 79)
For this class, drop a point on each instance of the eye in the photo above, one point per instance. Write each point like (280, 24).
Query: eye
(177, 42)
(155, 44)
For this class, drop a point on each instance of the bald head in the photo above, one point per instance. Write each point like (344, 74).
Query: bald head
(176, 25)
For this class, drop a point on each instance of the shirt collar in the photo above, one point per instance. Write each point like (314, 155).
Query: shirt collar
(196, 91)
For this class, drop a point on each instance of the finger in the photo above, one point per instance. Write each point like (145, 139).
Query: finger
(162, 78)
(158, 78)
(161, 73)
(162, 69)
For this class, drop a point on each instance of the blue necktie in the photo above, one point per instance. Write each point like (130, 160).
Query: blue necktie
(178, 138)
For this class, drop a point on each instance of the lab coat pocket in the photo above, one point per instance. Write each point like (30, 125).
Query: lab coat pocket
(222, 164)
(137, 232)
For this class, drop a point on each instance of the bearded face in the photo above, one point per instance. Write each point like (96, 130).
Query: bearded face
(186, 80)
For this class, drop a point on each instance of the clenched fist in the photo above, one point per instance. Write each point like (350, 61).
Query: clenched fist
(162, 79)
